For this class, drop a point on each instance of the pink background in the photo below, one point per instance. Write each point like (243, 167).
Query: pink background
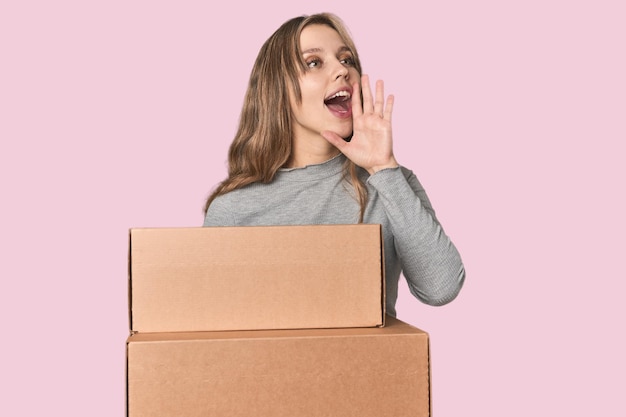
(118, 114)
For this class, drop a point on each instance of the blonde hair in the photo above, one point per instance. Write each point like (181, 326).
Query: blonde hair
(263, 142)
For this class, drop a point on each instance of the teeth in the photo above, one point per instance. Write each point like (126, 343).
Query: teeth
(342, 93)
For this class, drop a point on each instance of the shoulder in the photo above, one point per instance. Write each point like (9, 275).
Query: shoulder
(226, 209)
(221, 211)
(218, 213)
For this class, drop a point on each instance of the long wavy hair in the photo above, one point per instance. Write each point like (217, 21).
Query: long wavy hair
(263, 142)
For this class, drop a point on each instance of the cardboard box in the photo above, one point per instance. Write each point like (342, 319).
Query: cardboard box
(325, 372)
(250, 278)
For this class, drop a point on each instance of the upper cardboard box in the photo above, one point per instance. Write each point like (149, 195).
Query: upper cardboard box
(252, 278)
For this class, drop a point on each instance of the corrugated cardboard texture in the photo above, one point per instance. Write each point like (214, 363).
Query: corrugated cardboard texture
(334, 372)
(247, 278)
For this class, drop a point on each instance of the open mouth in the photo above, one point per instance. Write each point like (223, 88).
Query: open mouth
(339, 102)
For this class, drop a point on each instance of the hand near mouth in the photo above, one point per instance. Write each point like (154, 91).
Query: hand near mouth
(371, 144)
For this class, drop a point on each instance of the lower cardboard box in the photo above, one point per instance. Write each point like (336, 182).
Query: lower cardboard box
(325, 372)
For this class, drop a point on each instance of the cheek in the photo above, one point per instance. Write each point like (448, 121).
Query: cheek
(354, 75)
(312, 93)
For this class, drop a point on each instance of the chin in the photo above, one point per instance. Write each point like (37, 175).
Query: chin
(345, 132)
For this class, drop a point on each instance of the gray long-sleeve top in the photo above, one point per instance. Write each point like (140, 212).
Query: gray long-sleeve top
(414, 241)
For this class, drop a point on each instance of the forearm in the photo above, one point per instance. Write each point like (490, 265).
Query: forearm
(430, 261)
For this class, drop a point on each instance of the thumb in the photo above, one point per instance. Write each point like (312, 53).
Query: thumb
(334, 139)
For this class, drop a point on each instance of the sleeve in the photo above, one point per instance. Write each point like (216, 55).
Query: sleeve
(219, 214)
(430, 262)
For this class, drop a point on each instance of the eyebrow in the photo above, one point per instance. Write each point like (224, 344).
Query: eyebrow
(315, 50)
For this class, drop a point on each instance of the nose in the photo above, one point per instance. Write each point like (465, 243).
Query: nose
(341, 71)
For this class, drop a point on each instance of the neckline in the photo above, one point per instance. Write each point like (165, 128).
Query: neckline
(324, 169)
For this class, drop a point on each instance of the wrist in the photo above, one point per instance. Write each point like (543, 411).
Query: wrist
(392, 163)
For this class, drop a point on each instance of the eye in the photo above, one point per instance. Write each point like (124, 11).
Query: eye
(348, 60)
(313, 62)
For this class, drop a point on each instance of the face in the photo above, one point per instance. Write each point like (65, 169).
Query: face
(325, 86)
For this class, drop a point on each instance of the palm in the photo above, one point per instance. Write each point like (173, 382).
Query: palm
(371, 144)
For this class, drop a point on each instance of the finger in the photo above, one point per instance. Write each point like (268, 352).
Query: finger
(357, 107)
(368, 104)
(380, 98)
(388, 108)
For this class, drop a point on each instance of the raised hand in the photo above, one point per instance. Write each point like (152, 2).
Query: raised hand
(371, 145)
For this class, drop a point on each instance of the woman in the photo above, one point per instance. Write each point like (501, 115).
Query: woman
(314, 146)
